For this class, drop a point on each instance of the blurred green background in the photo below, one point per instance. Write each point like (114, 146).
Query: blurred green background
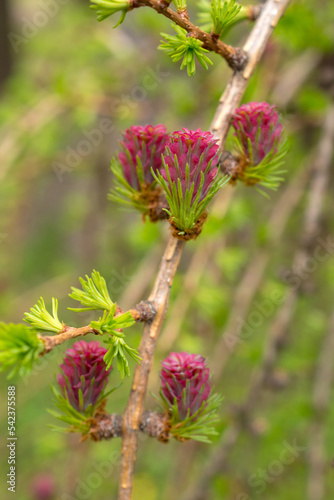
(62, 79)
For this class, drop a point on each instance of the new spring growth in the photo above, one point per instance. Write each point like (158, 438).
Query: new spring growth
(259, 144)
(106, 8)
(219, 16)
(181, 5)
(141, 150)
(185, 47)
(190, 178)
(84, 375)
(223, 14)
(187, 396)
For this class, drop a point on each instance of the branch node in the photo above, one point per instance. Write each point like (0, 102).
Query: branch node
(156, 425)
(106, 427)
(237, 59)
(144, 311)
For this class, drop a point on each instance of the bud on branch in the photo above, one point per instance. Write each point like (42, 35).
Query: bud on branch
(259, 145)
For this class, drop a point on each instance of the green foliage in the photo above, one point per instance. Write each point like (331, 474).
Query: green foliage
(117, 347)
(180, 46)
(219, 15)
(267, 173)
(204, 15)
(106, 8)
(109, 323)
(180, 5)
(124, 194)
(78, 421)
(94, 294)
(316, 22)
(201, 425)
(312, 100)
(223, 15)
(184, 209)
(20, 347)
(41, 319)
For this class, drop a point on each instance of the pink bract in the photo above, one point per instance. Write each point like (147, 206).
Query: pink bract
(83, 368)
(197, 149)
(146, 144)
(185, 372)
(257, 122)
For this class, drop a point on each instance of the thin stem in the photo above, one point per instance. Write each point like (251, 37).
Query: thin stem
(51, 341)
(159, 299)
(142, 312)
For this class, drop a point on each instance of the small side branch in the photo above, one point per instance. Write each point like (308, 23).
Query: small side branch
(51, 341)
(235, 56)
(143, 312)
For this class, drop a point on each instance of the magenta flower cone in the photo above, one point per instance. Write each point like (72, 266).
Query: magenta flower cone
(197, 149)
(257, 123)
(185, 377)
(146, 144)
(84, 369)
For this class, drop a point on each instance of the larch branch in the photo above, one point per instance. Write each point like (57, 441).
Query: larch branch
(254, 47)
